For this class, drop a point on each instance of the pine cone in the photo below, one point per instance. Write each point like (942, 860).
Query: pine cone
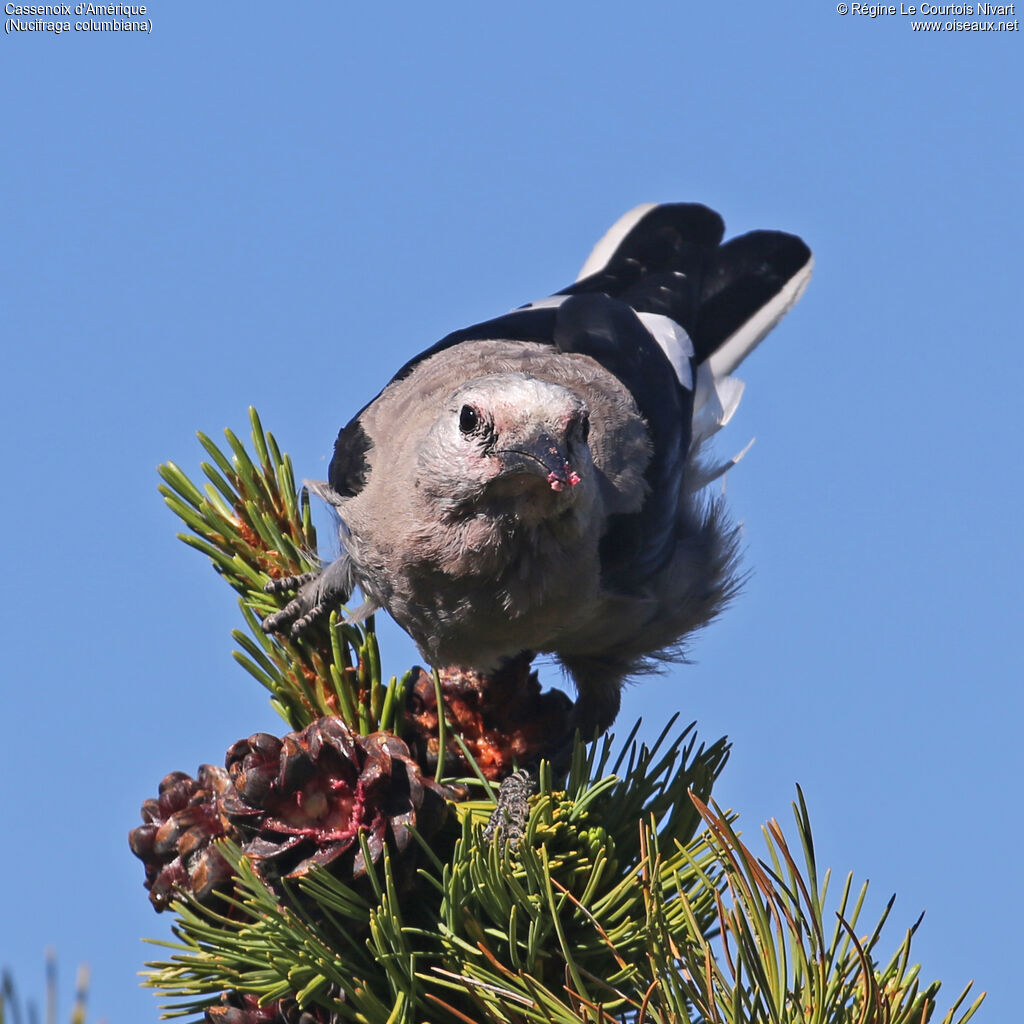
(503, 718)
(301, 801)
(243, 1008)
(175, 841)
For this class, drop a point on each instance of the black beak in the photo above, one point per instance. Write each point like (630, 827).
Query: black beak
(544, 457)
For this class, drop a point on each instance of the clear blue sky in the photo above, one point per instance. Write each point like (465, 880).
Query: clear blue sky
(278, 204)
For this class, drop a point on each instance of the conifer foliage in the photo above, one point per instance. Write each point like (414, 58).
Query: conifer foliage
(341, 872)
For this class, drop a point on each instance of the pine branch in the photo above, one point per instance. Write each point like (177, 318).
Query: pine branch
(630, 897)
(255, 526)
(778, 957)
(589, 920)
(568, 899)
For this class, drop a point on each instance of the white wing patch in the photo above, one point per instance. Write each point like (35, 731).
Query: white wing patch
(671, 338)
(716, 394)
(674, 342)
(714, 402)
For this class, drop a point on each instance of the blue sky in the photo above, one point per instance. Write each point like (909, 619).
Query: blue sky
(277, 205)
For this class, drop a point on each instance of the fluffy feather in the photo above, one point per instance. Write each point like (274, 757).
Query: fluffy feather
(534, 483)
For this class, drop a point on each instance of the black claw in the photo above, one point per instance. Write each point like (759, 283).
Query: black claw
(292, 618)
(316, 594)
(301, 624)
(288, 583)
(272, 623)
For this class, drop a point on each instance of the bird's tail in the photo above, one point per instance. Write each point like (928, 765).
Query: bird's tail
(669, 259)
(707, 304)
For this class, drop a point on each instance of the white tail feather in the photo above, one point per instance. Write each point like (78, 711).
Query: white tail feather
(743, 341)
(611, 239)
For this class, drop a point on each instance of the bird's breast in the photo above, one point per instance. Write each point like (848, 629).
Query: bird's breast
(495, 590)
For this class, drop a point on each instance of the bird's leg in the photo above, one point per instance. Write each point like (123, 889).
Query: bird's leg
(599, 691)
(317, 594)
(599, 680)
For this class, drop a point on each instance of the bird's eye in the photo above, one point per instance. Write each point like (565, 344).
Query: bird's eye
(468, 419)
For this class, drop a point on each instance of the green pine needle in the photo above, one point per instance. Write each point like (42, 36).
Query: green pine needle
(597, 916)
(254, 526)
(631, 897)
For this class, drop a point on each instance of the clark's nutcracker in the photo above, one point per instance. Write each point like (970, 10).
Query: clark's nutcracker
(536, 482)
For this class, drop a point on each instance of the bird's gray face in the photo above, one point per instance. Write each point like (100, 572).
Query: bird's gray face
(512, 442)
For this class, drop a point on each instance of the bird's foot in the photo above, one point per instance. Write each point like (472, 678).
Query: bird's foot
(317, 594)
(289, 583)
(301, 611)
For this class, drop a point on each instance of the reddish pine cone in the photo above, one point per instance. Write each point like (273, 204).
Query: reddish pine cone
(175, 841)
(301, 801)
(503, 718)
(239, 1008)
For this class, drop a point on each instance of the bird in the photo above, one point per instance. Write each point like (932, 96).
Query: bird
(541, 482)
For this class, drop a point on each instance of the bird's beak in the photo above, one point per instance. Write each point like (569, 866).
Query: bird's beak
(543, 457)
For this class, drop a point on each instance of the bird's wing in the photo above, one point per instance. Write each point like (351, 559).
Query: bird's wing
(670, 311)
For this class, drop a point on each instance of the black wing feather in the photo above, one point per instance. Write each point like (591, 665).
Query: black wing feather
(670, 262)
(748, 272)
(659, 266)
(636, 545)
(610, 333)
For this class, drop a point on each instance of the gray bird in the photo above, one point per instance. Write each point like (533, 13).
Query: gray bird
(537, 482)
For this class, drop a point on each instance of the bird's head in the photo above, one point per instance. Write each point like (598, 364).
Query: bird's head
(512, 443)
